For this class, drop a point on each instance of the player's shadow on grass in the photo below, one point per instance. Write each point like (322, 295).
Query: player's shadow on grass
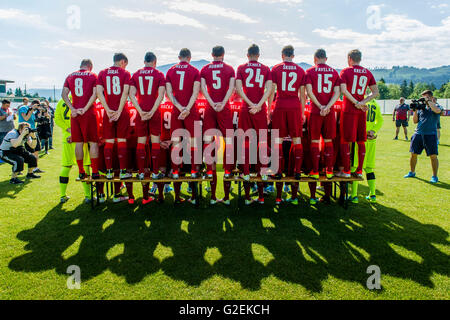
(297, 245)
(440, 184)
(12, 190)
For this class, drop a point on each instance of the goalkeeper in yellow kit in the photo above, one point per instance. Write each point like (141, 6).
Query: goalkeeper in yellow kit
(373, 124)
(62, 120)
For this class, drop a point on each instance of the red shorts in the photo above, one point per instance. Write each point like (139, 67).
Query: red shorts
(222, 120)
(117, 129)
(188, 123)
(288, 122)
(252, 121)
(84, 128)
(325, 126)
(353, 127)
(150, 127)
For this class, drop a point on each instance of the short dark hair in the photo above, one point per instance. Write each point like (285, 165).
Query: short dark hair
(185, 53)
(35, 102)
(218, 51)
(86, 63)
(355, 55)
(22, 125)
(253, 50)
(427, 92)
(150, 57)
(6, 101)
(320, 54)
(288, 51)
(119, 57)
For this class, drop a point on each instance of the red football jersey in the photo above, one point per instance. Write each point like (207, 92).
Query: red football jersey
(113, 81)
(133, 115)
(357, 80)
(81, 84)
(289, 77)
(166, 114)
(217, 75)
(323, 80)
(147, 82)
(254, 76)
(182, 77)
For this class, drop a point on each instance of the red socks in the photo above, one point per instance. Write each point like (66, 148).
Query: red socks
(280, 158)
(209, 167)
(108, 152)
(156, 150)
(361, 155)
(329, 155)
(246, 162)
(214, 186)
(226, 189)
(312, 189)
(140, 157)
(122, 152)
(315, 154)
(94, 165)
(80, 164)
(298, 152)
(345, 156)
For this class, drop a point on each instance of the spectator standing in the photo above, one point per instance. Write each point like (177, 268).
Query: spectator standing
(7, 118)
(401, 117)
(425, 136)
(43, 121)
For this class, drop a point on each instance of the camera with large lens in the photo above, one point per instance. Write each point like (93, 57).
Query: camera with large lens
(419, 104)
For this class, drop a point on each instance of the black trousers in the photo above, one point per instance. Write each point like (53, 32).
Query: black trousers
(17, 157)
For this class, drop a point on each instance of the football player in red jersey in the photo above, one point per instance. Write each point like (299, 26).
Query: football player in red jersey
(354, 82)
(82, 85)
(183, 86)
(148, 86)
(254, 85)
(217, 84)
(287, 116)
(112, 89)
(323, 87)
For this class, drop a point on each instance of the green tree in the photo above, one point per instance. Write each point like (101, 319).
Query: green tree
(18, 92)
(418, 89)
(410, 89)
(384, 90)
(395, 91)
(10, 92)
(446, 94)
(404, 89)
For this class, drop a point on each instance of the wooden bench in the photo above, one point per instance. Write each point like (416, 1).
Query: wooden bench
(338, 183)
(197, 185)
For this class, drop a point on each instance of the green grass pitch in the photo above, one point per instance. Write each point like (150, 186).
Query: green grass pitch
(167, 252)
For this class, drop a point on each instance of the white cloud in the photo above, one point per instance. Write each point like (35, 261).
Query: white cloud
(284, 38)
(209, 9)
(403, 41)
(287, 2)
(164, 18)
(100, 45)
(20, 17)
(235, 37)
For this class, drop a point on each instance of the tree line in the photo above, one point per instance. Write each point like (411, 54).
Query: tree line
(411, 90)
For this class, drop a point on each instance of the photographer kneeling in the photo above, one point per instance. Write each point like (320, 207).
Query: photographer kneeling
(12, 151)
(426, 116)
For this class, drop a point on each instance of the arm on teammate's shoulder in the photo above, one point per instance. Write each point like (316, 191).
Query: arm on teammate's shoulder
(194, 96)
(171, 97)
(205, 92)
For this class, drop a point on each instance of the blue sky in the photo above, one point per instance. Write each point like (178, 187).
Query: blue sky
(43, 41)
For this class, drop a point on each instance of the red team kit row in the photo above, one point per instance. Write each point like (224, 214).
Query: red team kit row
(302, 103)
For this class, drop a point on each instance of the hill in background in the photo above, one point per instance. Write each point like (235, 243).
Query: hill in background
(395, 75)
